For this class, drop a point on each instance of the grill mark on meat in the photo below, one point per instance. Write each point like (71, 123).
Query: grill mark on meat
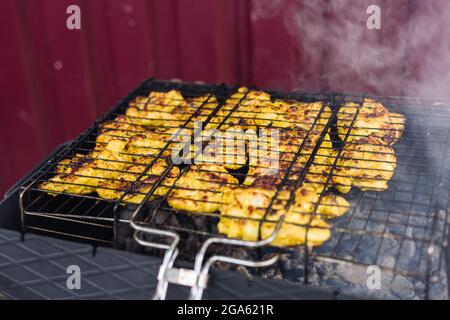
(76, 166)
(147, 182)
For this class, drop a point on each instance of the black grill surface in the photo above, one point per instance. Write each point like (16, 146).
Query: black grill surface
(36, 269)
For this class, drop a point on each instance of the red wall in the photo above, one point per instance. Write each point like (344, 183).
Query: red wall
(54, 82)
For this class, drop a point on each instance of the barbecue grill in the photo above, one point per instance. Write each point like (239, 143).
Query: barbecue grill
(402, 230)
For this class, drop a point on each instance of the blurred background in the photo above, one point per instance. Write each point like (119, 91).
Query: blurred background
(54, 82)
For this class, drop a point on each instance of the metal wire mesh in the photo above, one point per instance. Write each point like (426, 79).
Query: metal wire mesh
(412, 209)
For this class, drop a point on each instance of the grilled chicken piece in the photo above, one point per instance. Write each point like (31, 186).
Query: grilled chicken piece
(210, 147)
(82, 174)
(332, 206)
(372, 119)
(318, 173)
(290, 141)
(120, 127)
(76, 176)
(203, 106)
(307, 201)
(244, 209)
(366, 163)
(65, 165)
(275, 157)
(244, 106)
(149, 143)
(200, 189)
(240, 109)
(159, 109)
(289, 114)
(115, 188)
(225, 148)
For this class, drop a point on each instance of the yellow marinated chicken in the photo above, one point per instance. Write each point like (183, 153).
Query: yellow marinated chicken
(332, 206)
(275, 157)
(244, 209)
(203, 106)
(366, 163)
(307, 201)
(316, 181)
(82, 174)
(245, 108)
(227, 148)
(115, 188)
(149, 143)
(290, 141)
(298, 120)
(160, 109)
(240, 109)
(121, 123)
(115, 155)
(318, 173)
(210, 146)
(76, 176)
(289, 114)
(121, 126)
(200, 188)
(66, 164)
(372, 119)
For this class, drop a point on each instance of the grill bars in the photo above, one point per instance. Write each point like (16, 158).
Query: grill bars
(412, 210)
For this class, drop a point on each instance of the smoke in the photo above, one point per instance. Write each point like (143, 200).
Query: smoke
(409, 55)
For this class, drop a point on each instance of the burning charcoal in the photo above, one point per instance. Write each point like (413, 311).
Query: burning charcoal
(286, 262)
(160, 217)
(325, 270)
(402, 287)
(174, 221)
(245, 272)
(273, 273)
(313, 276)
(438, 291)
(199, 222)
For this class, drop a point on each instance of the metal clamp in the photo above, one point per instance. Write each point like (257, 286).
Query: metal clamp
(197, 278)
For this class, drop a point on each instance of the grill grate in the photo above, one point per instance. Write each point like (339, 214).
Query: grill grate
(412, 210)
